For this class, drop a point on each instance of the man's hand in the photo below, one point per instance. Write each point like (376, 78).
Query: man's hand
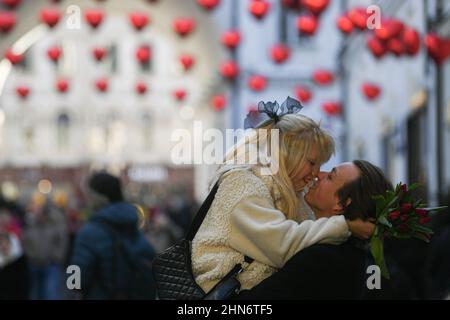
(361, 229)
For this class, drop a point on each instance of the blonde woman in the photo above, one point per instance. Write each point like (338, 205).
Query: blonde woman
(256, 214)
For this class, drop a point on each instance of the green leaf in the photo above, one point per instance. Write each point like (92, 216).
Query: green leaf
(390, 193)
(414, 186)
(417, 203)
(377, 250)
(384, 221)
(436, 209)
(421, 237)
(421, 228)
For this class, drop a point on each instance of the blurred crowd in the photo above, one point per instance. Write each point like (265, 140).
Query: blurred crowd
(37, 238)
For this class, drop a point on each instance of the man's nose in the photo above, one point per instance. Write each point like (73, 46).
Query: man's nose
(322, 174)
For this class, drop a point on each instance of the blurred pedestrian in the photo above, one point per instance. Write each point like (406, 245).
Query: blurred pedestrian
(161, 230)
(45, 244)
(112, 253)
(14, 280)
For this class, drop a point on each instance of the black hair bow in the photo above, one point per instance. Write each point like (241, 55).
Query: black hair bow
(271, 111)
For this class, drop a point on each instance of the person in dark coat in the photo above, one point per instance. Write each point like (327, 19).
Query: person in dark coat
(110, 250)
(14, 279)
(326, 271)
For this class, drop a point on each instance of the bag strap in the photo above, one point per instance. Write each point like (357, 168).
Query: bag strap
(201, 213)
(200, 216)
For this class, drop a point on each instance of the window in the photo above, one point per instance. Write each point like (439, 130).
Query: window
(112, 58)
(417, 149)
(24, 66)
(388, 155)
(288, 32)
(63, 128)
(146, 131)
(146, 66)
(28, 136)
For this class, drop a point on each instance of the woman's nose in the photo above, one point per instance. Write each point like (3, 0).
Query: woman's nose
(315, 171)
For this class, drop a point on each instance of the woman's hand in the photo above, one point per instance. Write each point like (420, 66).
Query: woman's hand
(361, 229)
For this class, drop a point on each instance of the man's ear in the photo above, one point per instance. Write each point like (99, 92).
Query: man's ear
(339, 208)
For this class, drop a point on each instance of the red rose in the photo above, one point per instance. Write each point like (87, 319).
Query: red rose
(422, 212)
(404, 188)
(394, 215)
(406, 207)
(403, 228)
(404, 217)
(424, 220)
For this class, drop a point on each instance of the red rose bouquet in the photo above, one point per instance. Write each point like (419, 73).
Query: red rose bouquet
(399, 215)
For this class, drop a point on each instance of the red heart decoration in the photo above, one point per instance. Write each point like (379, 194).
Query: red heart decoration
(257, 82)
(218, 102)
(280, 53)
(332, 108)
(315, 6)
(395, 46)
(411, 40)
(184, 26)
(259, 8)
(138, 20)
(187, 61)
(143, 54)
(438, 48)
(54, 53)
(231, 38)
(229, 69)
(94, 17)
(102, 84)
(359, 17)
(180, 94)
(307, 25)
(345, 24)
(50, 16)
(7, 21)
(11, 3)
(323, 77)
(371, 91)
(377, 47)
(13, 57)
(99, 53)
(141, 88)
(208, 4)
(23, 91)
(303, 93)
(62, 85)
(390, 28)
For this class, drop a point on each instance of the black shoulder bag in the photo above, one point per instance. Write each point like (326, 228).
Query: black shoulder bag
(172, 268)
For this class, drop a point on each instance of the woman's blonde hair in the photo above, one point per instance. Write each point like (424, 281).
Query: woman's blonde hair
(297, 134)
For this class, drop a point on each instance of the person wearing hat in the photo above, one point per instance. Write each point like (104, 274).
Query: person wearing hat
(110, 250)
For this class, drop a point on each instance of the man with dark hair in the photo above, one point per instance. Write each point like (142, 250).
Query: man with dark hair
(326, 271)
(112, 253)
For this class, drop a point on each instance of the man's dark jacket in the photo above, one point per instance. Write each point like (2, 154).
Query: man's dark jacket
(319, 272)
